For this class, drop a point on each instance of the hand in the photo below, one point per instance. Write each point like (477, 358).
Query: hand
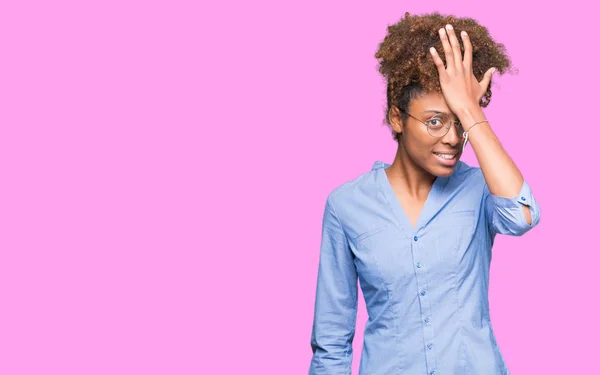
(459, 85)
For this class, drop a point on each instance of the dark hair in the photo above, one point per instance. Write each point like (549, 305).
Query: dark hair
(406, 63)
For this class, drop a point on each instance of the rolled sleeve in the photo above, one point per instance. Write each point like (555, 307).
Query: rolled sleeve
(506, 216)
(336, 301)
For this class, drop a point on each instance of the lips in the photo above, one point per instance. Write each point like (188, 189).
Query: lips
(446, 158)
(445, 155)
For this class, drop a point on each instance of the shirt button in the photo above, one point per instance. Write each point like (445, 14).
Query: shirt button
(522, 198)
(418, 265)
(432, 372)
(426, 320)
(415, 238)
(429, 346)
(422, 293)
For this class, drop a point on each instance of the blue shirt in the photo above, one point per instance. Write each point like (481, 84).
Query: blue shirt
(425, 287)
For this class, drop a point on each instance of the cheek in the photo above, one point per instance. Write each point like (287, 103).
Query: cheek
(419, 146)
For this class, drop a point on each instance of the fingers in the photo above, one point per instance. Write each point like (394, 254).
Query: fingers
(455, 47)
(468, 57)
(447, 48)
(454, 57)
(437, 60)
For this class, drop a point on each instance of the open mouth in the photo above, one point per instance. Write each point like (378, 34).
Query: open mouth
(445, 156)
(447, 159)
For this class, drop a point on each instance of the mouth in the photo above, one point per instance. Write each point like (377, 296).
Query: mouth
(446, 158)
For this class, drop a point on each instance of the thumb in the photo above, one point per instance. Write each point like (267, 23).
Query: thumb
(487, 77)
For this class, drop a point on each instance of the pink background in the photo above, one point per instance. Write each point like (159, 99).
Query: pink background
(165, 166)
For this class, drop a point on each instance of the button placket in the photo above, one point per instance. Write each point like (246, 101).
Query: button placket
(420, 261)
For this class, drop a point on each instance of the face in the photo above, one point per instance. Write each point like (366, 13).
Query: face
(436, 155)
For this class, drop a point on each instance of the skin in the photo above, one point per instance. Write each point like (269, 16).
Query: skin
(415, 167)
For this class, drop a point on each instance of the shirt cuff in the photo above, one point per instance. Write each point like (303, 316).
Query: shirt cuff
(525, 198)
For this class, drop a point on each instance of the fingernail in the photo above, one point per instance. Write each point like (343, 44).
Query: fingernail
(493, 70)
(449, 27)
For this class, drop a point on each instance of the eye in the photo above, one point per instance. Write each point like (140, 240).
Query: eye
(435, 122)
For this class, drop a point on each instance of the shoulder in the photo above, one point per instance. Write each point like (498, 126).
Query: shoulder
(466, 172)
(463, 170)
(346, 190)
(357, 188)
(469, 177)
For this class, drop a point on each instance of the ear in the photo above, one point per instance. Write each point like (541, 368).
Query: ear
(395, 119)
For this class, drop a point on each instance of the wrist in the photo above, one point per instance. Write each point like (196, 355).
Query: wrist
(470, 115)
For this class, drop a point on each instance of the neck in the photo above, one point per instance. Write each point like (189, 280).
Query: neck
(408, 176)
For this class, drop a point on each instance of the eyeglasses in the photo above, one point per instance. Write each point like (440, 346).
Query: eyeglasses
(439, 125)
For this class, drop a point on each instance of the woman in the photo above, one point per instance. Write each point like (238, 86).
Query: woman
(418, 233)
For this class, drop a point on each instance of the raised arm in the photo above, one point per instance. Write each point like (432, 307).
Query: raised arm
(513, 216)
(510, 204)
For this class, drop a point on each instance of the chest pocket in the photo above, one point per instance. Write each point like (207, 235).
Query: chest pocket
(453, 239)
(386, 253)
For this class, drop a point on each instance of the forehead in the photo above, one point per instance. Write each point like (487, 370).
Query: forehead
(430, 101)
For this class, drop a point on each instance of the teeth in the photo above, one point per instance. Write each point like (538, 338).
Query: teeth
(445, 156)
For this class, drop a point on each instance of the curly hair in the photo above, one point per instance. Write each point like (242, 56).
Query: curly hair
(406, 63)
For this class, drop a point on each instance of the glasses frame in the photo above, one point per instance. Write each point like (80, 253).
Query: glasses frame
(446, 126)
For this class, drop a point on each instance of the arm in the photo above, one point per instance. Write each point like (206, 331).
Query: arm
(502, 176)
(506, 208)
(507, 215)
(336, 301)
(509, 203)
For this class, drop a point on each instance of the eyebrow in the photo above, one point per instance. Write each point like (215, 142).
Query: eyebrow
(441, 112)
(436, 111)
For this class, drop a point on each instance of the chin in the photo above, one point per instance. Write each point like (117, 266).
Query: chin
(442, 170)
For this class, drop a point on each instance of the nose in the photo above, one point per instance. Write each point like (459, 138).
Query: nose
(453, 137)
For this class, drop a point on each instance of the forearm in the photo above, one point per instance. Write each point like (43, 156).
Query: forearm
(500, 172)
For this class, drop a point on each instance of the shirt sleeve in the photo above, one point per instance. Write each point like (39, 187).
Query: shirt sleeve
(336, 301)
(505, 215)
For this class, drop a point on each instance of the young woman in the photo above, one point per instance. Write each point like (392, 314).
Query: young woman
(418, 233)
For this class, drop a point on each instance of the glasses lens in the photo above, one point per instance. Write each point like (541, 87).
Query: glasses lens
(437, 126)
(440, 124)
